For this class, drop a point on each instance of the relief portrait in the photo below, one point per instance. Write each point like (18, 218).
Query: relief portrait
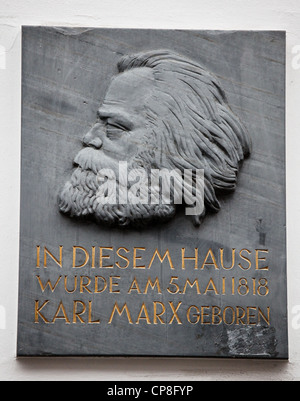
(161, 112)
(153, 193)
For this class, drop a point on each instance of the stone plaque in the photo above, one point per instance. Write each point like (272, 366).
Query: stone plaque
(153, 194)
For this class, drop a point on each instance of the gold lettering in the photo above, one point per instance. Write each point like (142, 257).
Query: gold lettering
(195, 315)
(246, 259)
(238, 317)
(97, 291)
(64, 316)
(216, 313)
(93, 257)
(161, 258)
(38, 248)
(262, 259)
(232, 259)
(105, 257)
(76, 314)
(134, 287)
(265, 318)
(249, 316)
(74, 287)
(184, 258)
(90, 315)
(75, 248)
(152, 285)
(57, 261)
(195, 283)
(83, 286)
(224, 315)
(137, 258)
(158, 315)
(263, 289)
(175, 285)
(211, 283)
(112, 284)
(175, 310)
(120, 312)
(146, 317)
(48, 283)
(37, 312)
(223, 285)
(203, 314)
(213, 263)
(122, 257)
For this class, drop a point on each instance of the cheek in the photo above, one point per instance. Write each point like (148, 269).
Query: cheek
(124, 148)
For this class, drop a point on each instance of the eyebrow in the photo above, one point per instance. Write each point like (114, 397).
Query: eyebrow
(117, 115)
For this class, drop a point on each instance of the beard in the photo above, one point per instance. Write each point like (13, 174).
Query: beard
(79, 196)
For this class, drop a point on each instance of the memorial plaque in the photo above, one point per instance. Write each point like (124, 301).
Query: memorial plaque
(153, 218)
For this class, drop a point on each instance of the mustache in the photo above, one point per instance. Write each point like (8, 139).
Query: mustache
(95, 160)
(90, 159)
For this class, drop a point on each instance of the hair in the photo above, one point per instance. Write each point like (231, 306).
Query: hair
(194, 125)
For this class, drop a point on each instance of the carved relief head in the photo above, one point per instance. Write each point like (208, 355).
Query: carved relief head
(161, 112)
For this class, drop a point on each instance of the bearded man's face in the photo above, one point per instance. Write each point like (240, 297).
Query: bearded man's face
(119, 135)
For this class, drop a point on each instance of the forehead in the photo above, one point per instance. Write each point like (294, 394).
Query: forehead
(130, 90)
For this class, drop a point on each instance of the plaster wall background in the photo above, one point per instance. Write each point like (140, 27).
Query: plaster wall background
(169, 14)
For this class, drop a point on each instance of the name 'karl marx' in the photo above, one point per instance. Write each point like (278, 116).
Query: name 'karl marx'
(161, 112)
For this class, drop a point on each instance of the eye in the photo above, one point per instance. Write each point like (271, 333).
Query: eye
(100, 119)
(114, 131)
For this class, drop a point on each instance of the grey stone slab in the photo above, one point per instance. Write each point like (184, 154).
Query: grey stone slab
(240, 312)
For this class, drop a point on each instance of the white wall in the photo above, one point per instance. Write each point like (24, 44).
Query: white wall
(187, 14)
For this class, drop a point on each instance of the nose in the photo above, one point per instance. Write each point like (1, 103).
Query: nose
(94, 137)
